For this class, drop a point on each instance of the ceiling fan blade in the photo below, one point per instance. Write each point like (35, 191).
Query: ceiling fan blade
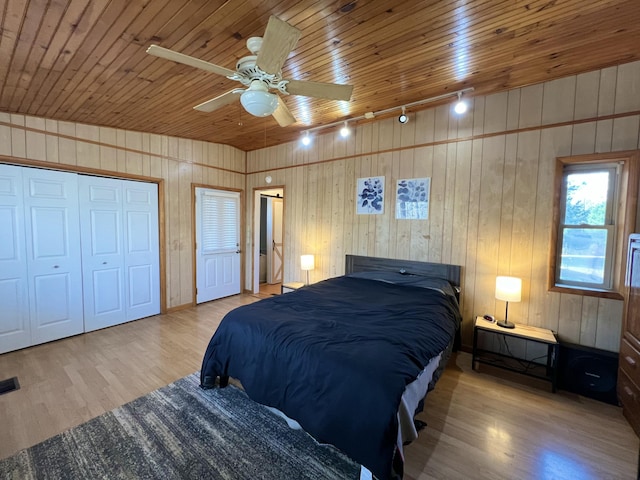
(283, 115)
(332, 91)
(187, 60)
(219, 101)
(278, 41)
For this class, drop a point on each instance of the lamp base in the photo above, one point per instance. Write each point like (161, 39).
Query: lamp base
(506, 324)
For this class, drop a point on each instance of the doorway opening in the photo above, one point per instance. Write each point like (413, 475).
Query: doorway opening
(268, 255)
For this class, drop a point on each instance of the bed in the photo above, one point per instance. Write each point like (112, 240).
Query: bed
(351, 358)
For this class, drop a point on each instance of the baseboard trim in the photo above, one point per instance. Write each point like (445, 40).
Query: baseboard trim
(180, 307)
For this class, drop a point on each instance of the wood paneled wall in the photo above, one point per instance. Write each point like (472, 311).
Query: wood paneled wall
(178, 162)
(491, 179)
(491, 193)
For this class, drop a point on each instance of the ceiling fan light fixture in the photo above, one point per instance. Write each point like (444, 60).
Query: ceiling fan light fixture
(258, 101)
(460, 106)
(403, 118)
(261, 72)
(344, 131)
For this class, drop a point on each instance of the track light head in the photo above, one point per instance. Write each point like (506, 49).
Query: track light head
(403, 118)
(460, 106)
(344, 131)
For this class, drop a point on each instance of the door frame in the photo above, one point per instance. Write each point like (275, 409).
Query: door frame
(96, 172)
(194, 239)
(255, 257)
(271, 235)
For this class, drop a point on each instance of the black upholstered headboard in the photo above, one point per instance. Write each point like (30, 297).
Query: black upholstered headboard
(358, 263)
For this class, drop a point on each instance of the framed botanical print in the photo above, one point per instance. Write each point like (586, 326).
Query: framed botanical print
(412, 198)
(370, 196)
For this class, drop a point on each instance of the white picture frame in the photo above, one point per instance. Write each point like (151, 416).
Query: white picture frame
(412, 198)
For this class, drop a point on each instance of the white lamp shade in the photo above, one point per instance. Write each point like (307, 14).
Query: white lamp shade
(258, 101)
(306, 262)
(259, 104)
(508, 289)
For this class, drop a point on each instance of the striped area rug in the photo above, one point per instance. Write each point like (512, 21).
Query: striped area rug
(182, 432)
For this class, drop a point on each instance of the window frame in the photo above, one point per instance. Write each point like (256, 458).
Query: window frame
(625, 214)
(613, 169)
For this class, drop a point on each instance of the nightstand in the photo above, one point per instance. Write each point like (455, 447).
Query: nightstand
(290, 287)
(547, 371)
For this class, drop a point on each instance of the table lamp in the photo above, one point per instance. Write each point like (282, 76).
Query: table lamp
(306, 263)
(508, 289)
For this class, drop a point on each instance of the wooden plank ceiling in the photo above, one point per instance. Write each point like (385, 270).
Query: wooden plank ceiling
(85, 61)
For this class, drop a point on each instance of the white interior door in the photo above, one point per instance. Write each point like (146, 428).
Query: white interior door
(120, 250)
(66, 269)
(53, 254)
(102, 252)
(277, 242)
(14, 300)
(217, 244)
(142, 249)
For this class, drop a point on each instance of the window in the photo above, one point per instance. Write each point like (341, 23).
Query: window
(586, 235)
(594, 212)
(219, 219)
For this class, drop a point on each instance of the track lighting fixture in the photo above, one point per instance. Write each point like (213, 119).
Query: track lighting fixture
(306, 139)
(344, 131)
(460, 106)
(403, 116)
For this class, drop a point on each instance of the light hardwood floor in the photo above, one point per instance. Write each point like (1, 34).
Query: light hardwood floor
(481, 425)
(267, 290)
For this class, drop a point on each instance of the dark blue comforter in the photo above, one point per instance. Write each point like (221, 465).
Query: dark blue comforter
(336, 356)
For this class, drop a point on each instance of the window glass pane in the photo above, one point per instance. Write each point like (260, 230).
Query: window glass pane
(219, 223)
(586, 198)
(583, 255)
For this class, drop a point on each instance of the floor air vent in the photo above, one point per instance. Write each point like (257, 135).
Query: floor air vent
(9, 385)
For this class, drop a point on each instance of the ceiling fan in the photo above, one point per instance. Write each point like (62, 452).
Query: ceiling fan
(261, 72)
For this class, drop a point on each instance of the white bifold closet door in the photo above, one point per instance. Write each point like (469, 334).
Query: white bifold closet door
(15, 331)
(120, 250)
(53, 261)
(40, 269)
(77, 253)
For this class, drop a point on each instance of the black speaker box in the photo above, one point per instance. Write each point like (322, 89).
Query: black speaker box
(588, 371)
